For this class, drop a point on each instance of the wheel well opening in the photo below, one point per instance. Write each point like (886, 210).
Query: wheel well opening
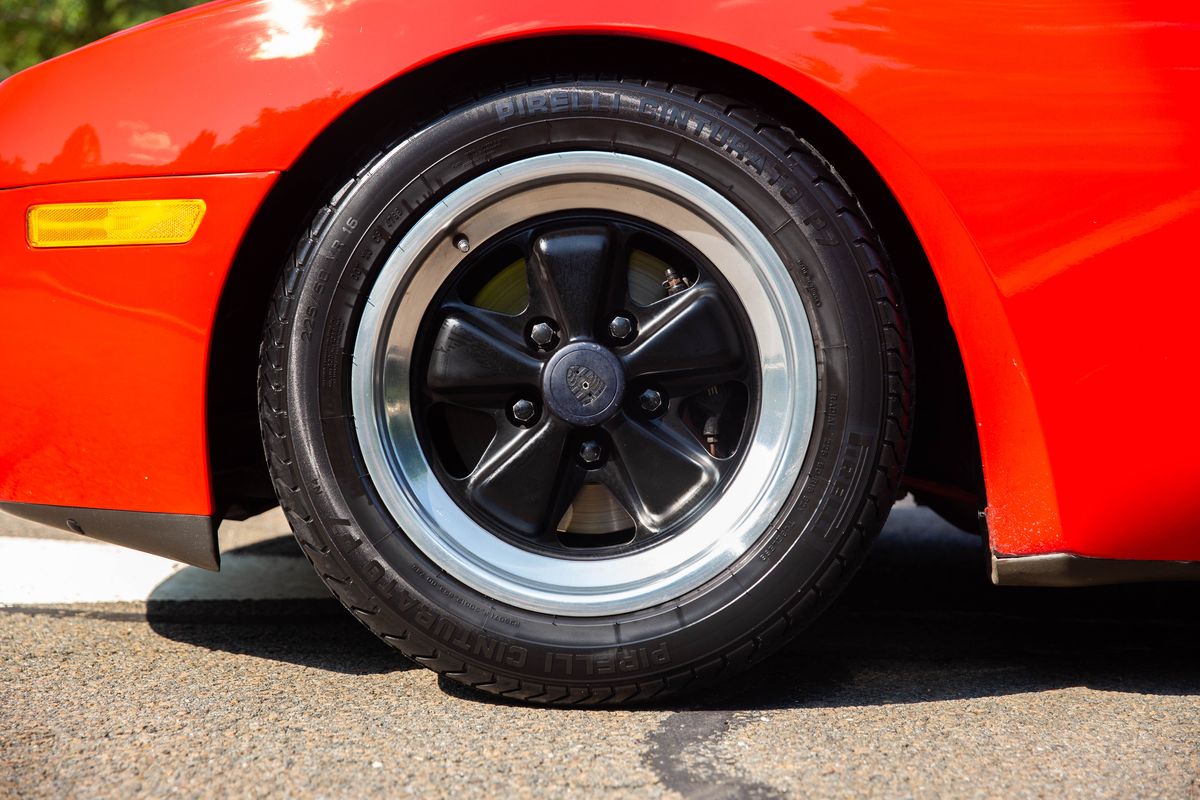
(944, 466)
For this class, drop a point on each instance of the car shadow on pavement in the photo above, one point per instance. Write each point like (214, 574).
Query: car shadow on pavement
(920, 623)
(313, 631)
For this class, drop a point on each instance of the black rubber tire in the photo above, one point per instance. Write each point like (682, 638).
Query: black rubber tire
(852, 466)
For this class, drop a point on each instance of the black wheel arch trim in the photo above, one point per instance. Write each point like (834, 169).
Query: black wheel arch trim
(1071, 570)
(190, 538)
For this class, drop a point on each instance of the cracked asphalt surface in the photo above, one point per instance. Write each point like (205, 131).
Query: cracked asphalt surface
(923, 681)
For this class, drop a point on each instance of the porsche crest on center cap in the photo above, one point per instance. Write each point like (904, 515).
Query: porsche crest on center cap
(585, 384)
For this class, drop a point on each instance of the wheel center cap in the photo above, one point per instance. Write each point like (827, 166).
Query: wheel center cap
(583, 384)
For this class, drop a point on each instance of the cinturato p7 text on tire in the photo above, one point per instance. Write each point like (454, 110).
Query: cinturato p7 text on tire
(591, 391)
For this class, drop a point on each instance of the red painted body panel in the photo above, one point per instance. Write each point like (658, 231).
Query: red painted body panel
(105, 350)
(1045, 153)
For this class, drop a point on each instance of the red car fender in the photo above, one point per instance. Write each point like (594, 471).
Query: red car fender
(105, 349)
(1045, 157)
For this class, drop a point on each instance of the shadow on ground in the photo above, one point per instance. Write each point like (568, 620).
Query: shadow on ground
(921, 622)
(311, 632)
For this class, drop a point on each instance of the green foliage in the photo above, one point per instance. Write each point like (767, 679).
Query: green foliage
(34, 30)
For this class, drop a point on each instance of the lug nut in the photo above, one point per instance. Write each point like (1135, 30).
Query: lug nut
(542, 334)
(590, 452)
(621, 328)
(651, 400)
(523, 410)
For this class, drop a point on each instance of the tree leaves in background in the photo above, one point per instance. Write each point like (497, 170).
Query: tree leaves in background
(34, 30)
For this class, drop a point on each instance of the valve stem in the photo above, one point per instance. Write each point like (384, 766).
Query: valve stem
(674, 283)
(712, 434)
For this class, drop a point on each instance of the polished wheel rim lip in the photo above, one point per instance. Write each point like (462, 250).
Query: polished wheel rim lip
(383, 359)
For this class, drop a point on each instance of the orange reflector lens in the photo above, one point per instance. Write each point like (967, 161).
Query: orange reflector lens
(120, 222)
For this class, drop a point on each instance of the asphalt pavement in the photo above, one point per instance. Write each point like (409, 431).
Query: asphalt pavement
(123, 675)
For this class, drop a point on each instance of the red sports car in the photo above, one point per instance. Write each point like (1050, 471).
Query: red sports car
(586, 347)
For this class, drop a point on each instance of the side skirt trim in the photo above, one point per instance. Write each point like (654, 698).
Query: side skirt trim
(190, 538)
(1068, 569)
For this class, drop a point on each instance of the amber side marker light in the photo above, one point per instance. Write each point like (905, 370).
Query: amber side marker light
(118, 222)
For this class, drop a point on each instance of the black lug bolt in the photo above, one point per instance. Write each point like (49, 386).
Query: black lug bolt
(542, 334)
(651, 400)
(589, 452)
(523, 410)
(621, 328)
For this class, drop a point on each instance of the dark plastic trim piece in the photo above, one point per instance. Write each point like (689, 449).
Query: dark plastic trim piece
(190, 538)
(1068, 569)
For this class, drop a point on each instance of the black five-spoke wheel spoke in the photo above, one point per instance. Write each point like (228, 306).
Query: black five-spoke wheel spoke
(588, 385)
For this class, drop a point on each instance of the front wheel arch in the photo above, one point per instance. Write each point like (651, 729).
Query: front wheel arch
(944, 460)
